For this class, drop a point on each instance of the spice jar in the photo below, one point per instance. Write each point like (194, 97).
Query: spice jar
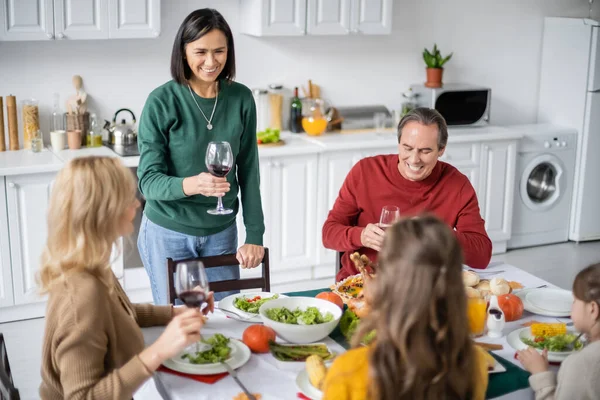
(31, 121)
(261, 98)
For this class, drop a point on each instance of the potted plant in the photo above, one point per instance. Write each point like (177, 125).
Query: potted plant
(435, 63)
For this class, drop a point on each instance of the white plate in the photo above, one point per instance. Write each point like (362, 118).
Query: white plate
(514, 340)
(227, 307)
(306, 388)
(240, 355)
(553, 300)
(536, 310)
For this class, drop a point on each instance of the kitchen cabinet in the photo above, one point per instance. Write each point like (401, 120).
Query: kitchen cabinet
(316, 17)
(498, 166)
(82, 19)
(6, 291)
(27, 199)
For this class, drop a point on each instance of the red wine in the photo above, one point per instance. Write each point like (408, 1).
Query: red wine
(192, 298)
(220, 171)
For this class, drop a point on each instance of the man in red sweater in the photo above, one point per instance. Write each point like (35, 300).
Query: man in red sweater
(414, 181)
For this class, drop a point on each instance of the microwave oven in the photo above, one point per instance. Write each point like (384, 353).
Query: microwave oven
(460, 104)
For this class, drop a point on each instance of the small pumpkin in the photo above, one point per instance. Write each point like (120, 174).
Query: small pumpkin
(332, 297)
(512, 306)
(257, 338)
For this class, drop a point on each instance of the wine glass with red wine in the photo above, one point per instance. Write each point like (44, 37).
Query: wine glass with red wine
(219, 161)
(191, 285)
(389, 215)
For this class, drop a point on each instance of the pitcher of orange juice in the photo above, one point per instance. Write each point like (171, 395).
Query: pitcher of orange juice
(477, 316)
(315, 116)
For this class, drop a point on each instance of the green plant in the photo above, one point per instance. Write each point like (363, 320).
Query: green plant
(434, 59)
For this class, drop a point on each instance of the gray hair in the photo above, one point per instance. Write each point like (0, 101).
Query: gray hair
(426, 116)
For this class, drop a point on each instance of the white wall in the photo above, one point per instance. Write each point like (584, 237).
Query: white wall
(495, 43)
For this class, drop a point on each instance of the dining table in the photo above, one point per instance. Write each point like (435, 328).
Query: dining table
(275, 381)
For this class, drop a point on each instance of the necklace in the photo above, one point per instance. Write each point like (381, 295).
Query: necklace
(209, 121)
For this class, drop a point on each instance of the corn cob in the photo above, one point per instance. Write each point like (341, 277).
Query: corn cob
(547, 329)
(316, 369)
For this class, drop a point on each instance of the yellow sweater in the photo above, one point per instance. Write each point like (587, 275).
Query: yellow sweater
(347, 379)
(92, 340)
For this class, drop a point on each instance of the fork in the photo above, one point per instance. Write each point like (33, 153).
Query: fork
(239, 316)
(481, 272)
(571, 345)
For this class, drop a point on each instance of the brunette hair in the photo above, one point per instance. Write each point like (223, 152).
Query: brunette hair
(418, 309)
(88, 200)
(586, 286)
(426, 116)
(193, 27)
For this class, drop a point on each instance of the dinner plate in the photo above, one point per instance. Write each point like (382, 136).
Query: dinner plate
(514, 340)
(306, 388)
(240, 354)
(553, 300)
(522, 294)
(228, 308)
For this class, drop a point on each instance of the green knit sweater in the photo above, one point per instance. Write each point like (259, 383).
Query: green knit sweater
(172, 140)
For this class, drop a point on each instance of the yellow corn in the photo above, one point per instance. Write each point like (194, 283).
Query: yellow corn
(547, 329)
(316, 369)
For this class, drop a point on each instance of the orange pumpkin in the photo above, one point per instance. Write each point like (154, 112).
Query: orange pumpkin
(257, 338)
(332, 297)
(512, 306)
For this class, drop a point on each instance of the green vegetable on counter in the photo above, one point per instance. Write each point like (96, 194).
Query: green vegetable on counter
(251, 304)
(299, 352)
(219, 351)
(311, 316)
(267, 136)
(553, 343)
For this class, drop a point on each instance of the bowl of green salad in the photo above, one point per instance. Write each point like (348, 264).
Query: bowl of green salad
(300, 319)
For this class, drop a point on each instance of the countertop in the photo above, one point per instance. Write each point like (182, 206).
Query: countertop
(27, 162)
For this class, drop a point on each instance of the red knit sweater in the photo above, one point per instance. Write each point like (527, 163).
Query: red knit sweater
(375, 182)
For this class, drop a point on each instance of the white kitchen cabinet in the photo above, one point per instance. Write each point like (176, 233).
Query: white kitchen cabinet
(133, 19)
(27, 203)
(315, 17)
(290, 194)
(6, 290)
(498, 163)
(273, 17)
(81, 19)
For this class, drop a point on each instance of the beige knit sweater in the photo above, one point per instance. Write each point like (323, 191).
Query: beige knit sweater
(92, 340)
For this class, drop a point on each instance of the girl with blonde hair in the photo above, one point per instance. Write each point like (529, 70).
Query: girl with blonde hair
(418, 310)
(93, 346)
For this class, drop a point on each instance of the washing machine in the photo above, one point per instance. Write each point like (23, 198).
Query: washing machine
(544, 185)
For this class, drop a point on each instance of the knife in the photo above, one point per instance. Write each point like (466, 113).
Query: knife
(237, 380)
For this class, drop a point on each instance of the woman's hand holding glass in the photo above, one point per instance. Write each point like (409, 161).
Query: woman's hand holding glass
(206, 185)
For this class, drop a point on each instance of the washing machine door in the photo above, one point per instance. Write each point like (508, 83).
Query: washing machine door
(542, 182)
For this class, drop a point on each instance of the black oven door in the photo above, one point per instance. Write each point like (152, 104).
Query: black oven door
(468, 107)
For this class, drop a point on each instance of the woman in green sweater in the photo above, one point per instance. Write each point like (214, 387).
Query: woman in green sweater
(201, 104)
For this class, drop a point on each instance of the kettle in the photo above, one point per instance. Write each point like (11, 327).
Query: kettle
(122, 134)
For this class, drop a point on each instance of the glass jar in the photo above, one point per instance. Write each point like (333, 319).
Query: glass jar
(410, 102)
(31, 121)
(37, 142)
(261, 99)
(314, 117)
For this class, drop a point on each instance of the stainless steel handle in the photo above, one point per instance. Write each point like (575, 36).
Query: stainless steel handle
(277, 164)
(155, 33)
(50, 36)
(486, 147)
(355, 30)
(60, 35)
(12, 184)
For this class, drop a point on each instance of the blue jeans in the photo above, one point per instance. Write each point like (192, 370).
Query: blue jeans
(156, 244)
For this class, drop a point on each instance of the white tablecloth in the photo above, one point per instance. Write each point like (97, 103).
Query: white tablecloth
(262, 374)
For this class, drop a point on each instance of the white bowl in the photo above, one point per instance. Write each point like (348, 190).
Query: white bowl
(301, 333)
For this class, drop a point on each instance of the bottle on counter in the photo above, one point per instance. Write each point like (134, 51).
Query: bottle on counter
(94, 138)
(296, 113)
(37, 142)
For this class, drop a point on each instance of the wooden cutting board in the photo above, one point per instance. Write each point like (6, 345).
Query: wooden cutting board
(275, 144)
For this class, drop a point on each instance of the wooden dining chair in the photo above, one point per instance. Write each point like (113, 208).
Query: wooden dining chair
(264, 282)
(7, 386)
(338, 261)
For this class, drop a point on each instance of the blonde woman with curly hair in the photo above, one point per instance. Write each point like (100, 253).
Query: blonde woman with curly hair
(418, 310)
(93, 346)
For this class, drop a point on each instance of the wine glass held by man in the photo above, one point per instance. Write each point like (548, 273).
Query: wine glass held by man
(201, 104)
(93, 345)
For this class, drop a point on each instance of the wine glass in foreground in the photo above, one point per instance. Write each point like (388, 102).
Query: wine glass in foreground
(389, 215)
(219, 161)
(191, 285)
